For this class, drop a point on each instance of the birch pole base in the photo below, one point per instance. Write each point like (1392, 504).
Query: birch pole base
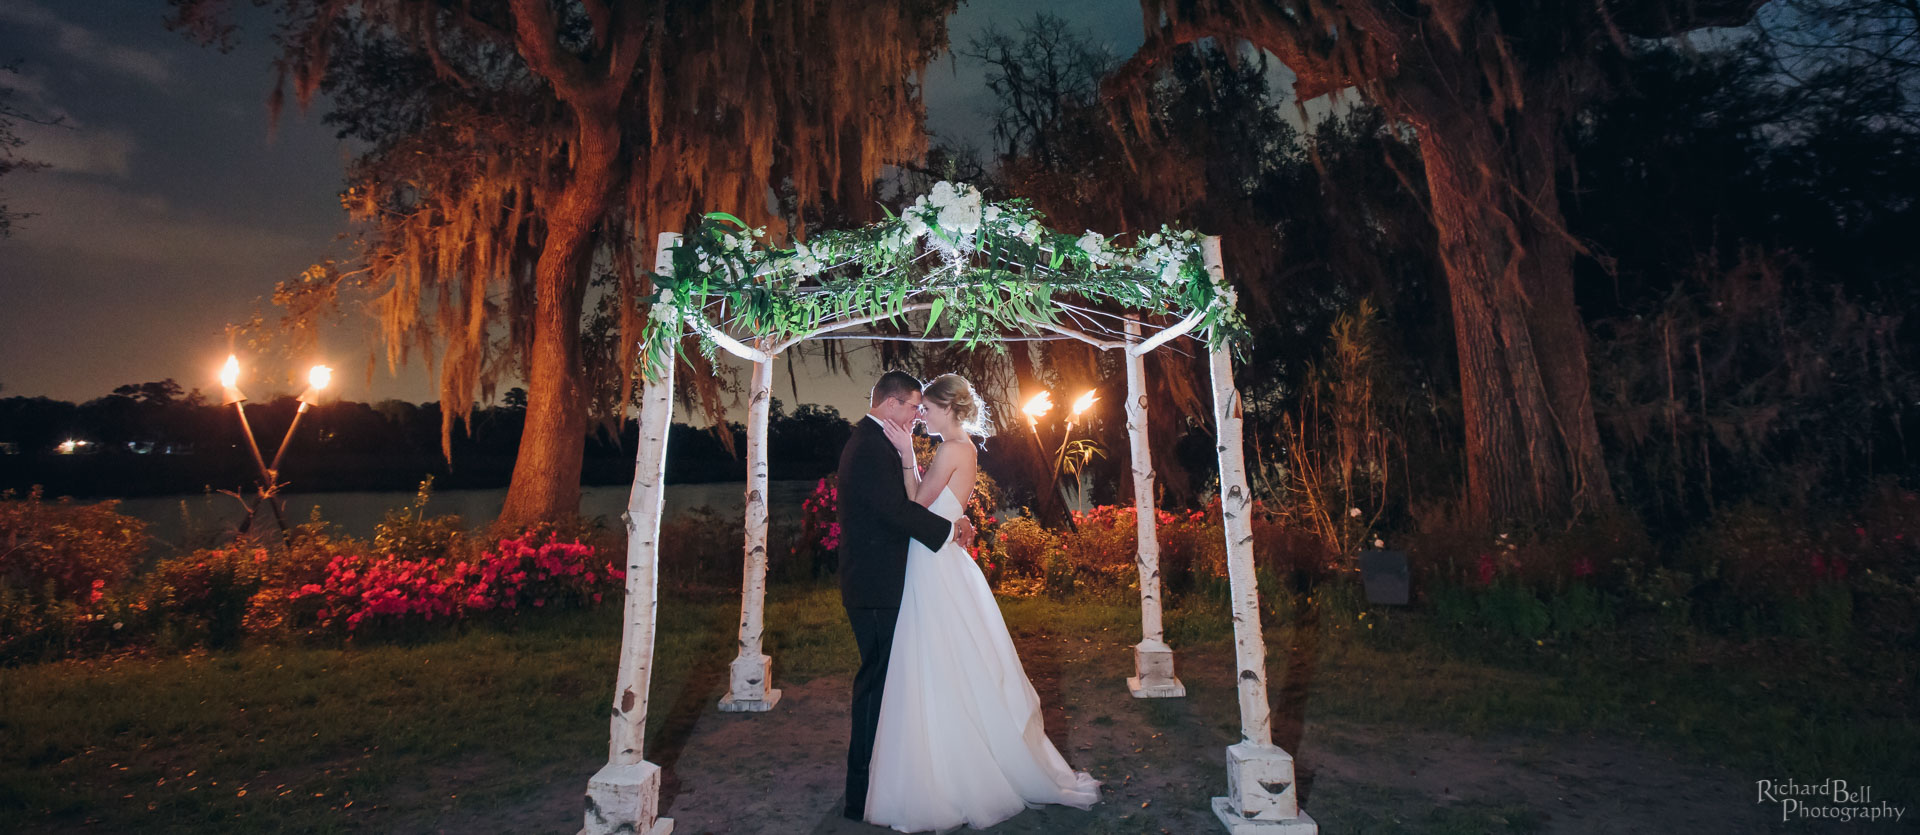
(1153, 673)
(626, 799)
(1261, 793)
(1237, 825)
(748, 692)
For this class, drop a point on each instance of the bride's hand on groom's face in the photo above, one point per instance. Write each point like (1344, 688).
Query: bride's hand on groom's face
(902, 438)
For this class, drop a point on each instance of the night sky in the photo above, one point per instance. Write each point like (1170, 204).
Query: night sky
(171, 207)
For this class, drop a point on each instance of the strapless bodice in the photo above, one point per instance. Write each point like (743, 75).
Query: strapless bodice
(948, 506)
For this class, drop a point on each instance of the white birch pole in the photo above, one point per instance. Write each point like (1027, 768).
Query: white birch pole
(1249, 644)
(1260, 779)
(752, 671)
(1152, 658)
(624, 796)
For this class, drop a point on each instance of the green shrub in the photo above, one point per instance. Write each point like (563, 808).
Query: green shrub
(1579, 610)
(1024, 545)
(410, 534)
(1059, 574)
(1509, 608)
(205, 596)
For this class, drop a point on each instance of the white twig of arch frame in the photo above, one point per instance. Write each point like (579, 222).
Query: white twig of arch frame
(1260, 775)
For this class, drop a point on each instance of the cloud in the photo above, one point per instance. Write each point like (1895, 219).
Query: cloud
(74, 149)
(93, 221)
(81, 43)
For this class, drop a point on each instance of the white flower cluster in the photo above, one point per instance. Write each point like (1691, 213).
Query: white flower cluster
(663, 310)
(1095, 246)
(953, 206)
(734, 251)
(1165, 252)
(805, 262)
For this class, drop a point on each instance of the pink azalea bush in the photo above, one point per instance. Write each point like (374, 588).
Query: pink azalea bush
(521, 573)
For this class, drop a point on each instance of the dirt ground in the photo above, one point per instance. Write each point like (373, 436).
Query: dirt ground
(1161, 761)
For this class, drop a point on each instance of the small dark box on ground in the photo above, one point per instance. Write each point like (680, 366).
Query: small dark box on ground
(1386, 577)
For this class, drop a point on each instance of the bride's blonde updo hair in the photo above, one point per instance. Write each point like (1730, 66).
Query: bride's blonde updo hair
(953, 392)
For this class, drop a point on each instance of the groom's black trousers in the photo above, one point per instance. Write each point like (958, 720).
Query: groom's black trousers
(873, 631)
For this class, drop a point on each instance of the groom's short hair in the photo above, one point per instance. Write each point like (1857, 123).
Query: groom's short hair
(893, 384)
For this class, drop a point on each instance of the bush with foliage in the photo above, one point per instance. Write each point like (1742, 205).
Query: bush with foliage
(207, 595)
(63, 572)
(66, 550)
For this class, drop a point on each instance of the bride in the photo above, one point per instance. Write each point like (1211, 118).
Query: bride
(960, 738)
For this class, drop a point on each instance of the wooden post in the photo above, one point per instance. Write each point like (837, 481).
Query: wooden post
(1152, 658)
(1260, 780)
(752, 671)
(624, 796)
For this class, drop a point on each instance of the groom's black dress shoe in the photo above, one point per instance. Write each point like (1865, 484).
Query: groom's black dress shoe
(853, 815)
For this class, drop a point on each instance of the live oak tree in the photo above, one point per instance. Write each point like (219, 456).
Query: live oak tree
(514, 148)
(1489, 88)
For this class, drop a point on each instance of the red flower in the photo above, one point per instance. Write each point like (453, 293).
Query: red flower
(1484, 569)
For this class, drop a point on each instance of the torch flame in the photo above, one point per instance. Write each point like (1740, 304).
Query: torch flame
(1038, 405)
(1085, 402)
(319, 377)
(230, 373)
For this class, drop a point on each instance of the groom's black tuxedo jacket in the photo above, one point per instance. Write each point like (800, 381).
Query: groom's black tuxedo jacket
(877, 517)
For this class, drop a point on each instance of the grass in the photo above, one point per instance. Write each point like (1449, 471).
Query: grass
(307, 739)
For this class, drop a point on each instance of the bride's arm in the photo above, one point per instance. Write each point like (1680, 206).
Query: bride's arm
(902, 441)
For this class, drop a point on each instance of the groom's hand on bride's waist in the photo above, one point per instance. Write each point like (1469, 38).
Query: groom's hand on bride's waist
(963, 532)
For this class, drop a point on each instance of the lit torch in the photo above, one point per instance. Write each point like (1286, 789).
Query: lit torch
(317, 379)
(229, 382)
(231, 396)
(1037, 406)
(1081, 405)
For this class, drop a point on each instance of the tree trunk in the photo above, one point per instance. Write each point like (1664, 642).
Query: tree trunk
(1532, 446)
(546, 473)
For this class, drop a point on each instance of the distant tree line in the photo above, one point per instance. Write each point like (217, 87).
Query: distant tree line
(158, 438)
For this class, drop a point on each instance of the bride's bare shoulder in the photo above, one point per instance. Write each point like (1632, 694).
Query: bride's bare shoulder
(961, 451)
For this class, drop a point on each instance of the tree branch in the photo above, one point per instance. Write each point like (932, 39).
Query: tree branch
(537, 33)
(1315, 75)
(602, 19)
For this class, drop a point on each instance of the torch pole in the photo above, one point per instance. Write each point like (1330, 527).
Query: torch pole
(272, 496)
(266, 476)
(274, 471)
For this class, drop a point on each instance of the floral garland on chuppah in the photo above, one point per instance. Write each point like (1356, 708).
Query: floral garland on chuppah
(983, 268)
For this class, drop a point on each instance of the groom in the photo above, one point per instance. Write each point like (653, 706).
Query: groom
(877, 517)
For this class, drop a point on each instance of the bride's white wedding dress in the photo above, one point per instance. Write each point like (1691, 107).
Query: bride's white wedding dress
(960, 739)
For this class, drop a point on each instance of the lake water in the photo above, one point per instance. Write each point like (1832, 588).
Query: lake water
(194, 521)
